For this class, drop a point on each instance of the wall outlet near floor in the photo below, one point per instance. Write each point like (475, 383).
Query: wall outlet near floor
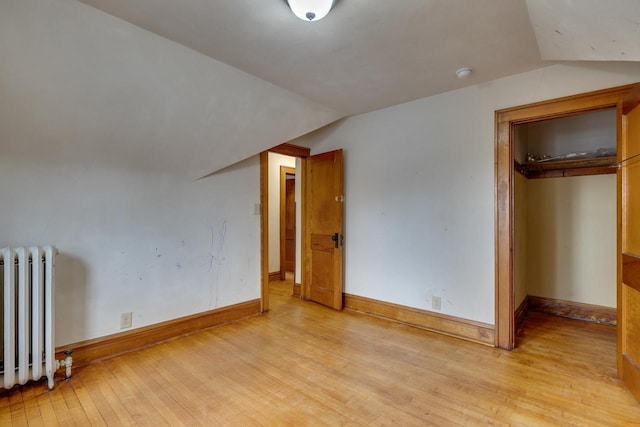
(436, 303)
(125, 320)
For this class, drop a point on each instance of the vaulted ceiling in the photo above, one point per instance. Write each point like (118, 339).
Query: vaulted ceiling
(367, 55)
(192, 86)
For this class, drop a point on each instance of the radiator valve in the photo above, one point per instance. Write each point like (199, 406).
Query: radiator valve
(66, 362)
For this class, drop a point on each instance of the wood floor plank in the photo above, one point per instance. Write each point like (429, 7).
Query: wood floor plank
(45, 405)
(127, 396)
(168, 404)
(17, 408)
(209, 386)
(5, 409)
(133, 397)
(92, 379)
(74, 407)
(182, 383)
(60, 408)
(32, 410)
(303, 364)
(94, 418)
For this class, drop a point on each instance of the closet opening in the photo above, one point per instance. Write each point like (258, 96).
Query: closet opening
(564, 217)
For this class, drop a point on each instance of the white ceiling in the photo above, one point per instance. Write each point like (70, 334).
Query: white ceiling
(365, 55)
(163, 105)
(588, 30)
(370, 54)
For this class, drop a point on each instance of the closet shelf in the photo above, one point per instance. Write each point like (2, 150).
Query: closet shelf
(560, 168)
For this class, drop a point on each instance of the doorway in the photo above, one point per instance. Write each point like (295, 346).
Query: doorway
(321, 259)
(282, 173)
(288, 223)
(270, 201)
(565, 217)
(506, 122)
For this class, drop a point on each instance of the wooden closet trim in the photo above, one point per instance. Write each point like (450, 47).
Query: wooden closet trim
(505, 120)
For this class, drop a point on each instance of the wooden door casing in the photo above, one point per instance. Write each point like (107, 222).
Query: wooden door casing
(629, 242)
(505, 121)
(288, 150)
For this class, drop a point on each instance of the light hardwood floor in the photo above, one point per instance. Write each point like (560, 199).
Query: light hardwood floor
(303, 364)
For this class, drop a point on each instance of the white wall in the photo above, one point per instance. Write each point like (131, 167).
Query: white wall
(275, 161)
(155, 244)
(419, 184)
(571, 239)
(103, 125)
(583, 132)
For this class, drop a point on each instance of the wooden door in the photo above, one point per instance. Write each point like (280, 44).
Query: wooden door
(287, 221)
(324, 229)
(290, 223)
(629, 287)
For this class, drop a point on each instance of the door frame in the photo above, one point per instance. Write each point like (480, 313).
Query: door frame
(293, 151)
(627, 262)
(505, 120)
(284, 171)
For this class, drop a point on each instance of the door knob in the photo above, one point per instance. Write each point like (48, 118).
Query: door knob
(338, 239)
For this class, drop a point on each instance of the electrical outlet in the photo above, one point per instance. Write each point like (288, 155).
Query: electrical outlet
(125, 320)
(436, 303)
(256, 209)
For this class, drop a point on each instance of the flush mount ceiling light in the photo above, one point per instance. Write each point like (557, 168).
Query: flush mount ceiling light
(311, 10)
(464, 72)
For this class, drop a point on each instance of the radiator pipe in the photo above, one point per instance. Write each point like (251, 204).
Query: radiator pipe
(66, 362)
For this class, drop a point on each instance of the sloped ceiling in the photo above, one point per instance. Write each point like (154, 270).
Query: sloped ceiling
(587, 30)
(363, 56)
(192, 86)
(80, 87)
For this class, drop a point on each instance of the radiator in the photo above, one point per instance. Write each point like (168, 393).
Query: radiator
(28, 313)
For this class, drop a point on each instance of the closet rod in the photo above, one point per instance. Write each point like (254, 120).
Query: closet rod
(619, 164)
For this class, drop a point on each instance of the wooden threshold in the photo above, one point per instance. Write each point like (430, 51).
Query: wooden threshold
(89, 351)
(469, 330)
(574, 310)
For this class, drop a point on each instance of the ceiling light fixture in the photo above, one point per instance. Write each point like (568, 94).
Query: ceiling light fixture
(311, 10)
(464, 72)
